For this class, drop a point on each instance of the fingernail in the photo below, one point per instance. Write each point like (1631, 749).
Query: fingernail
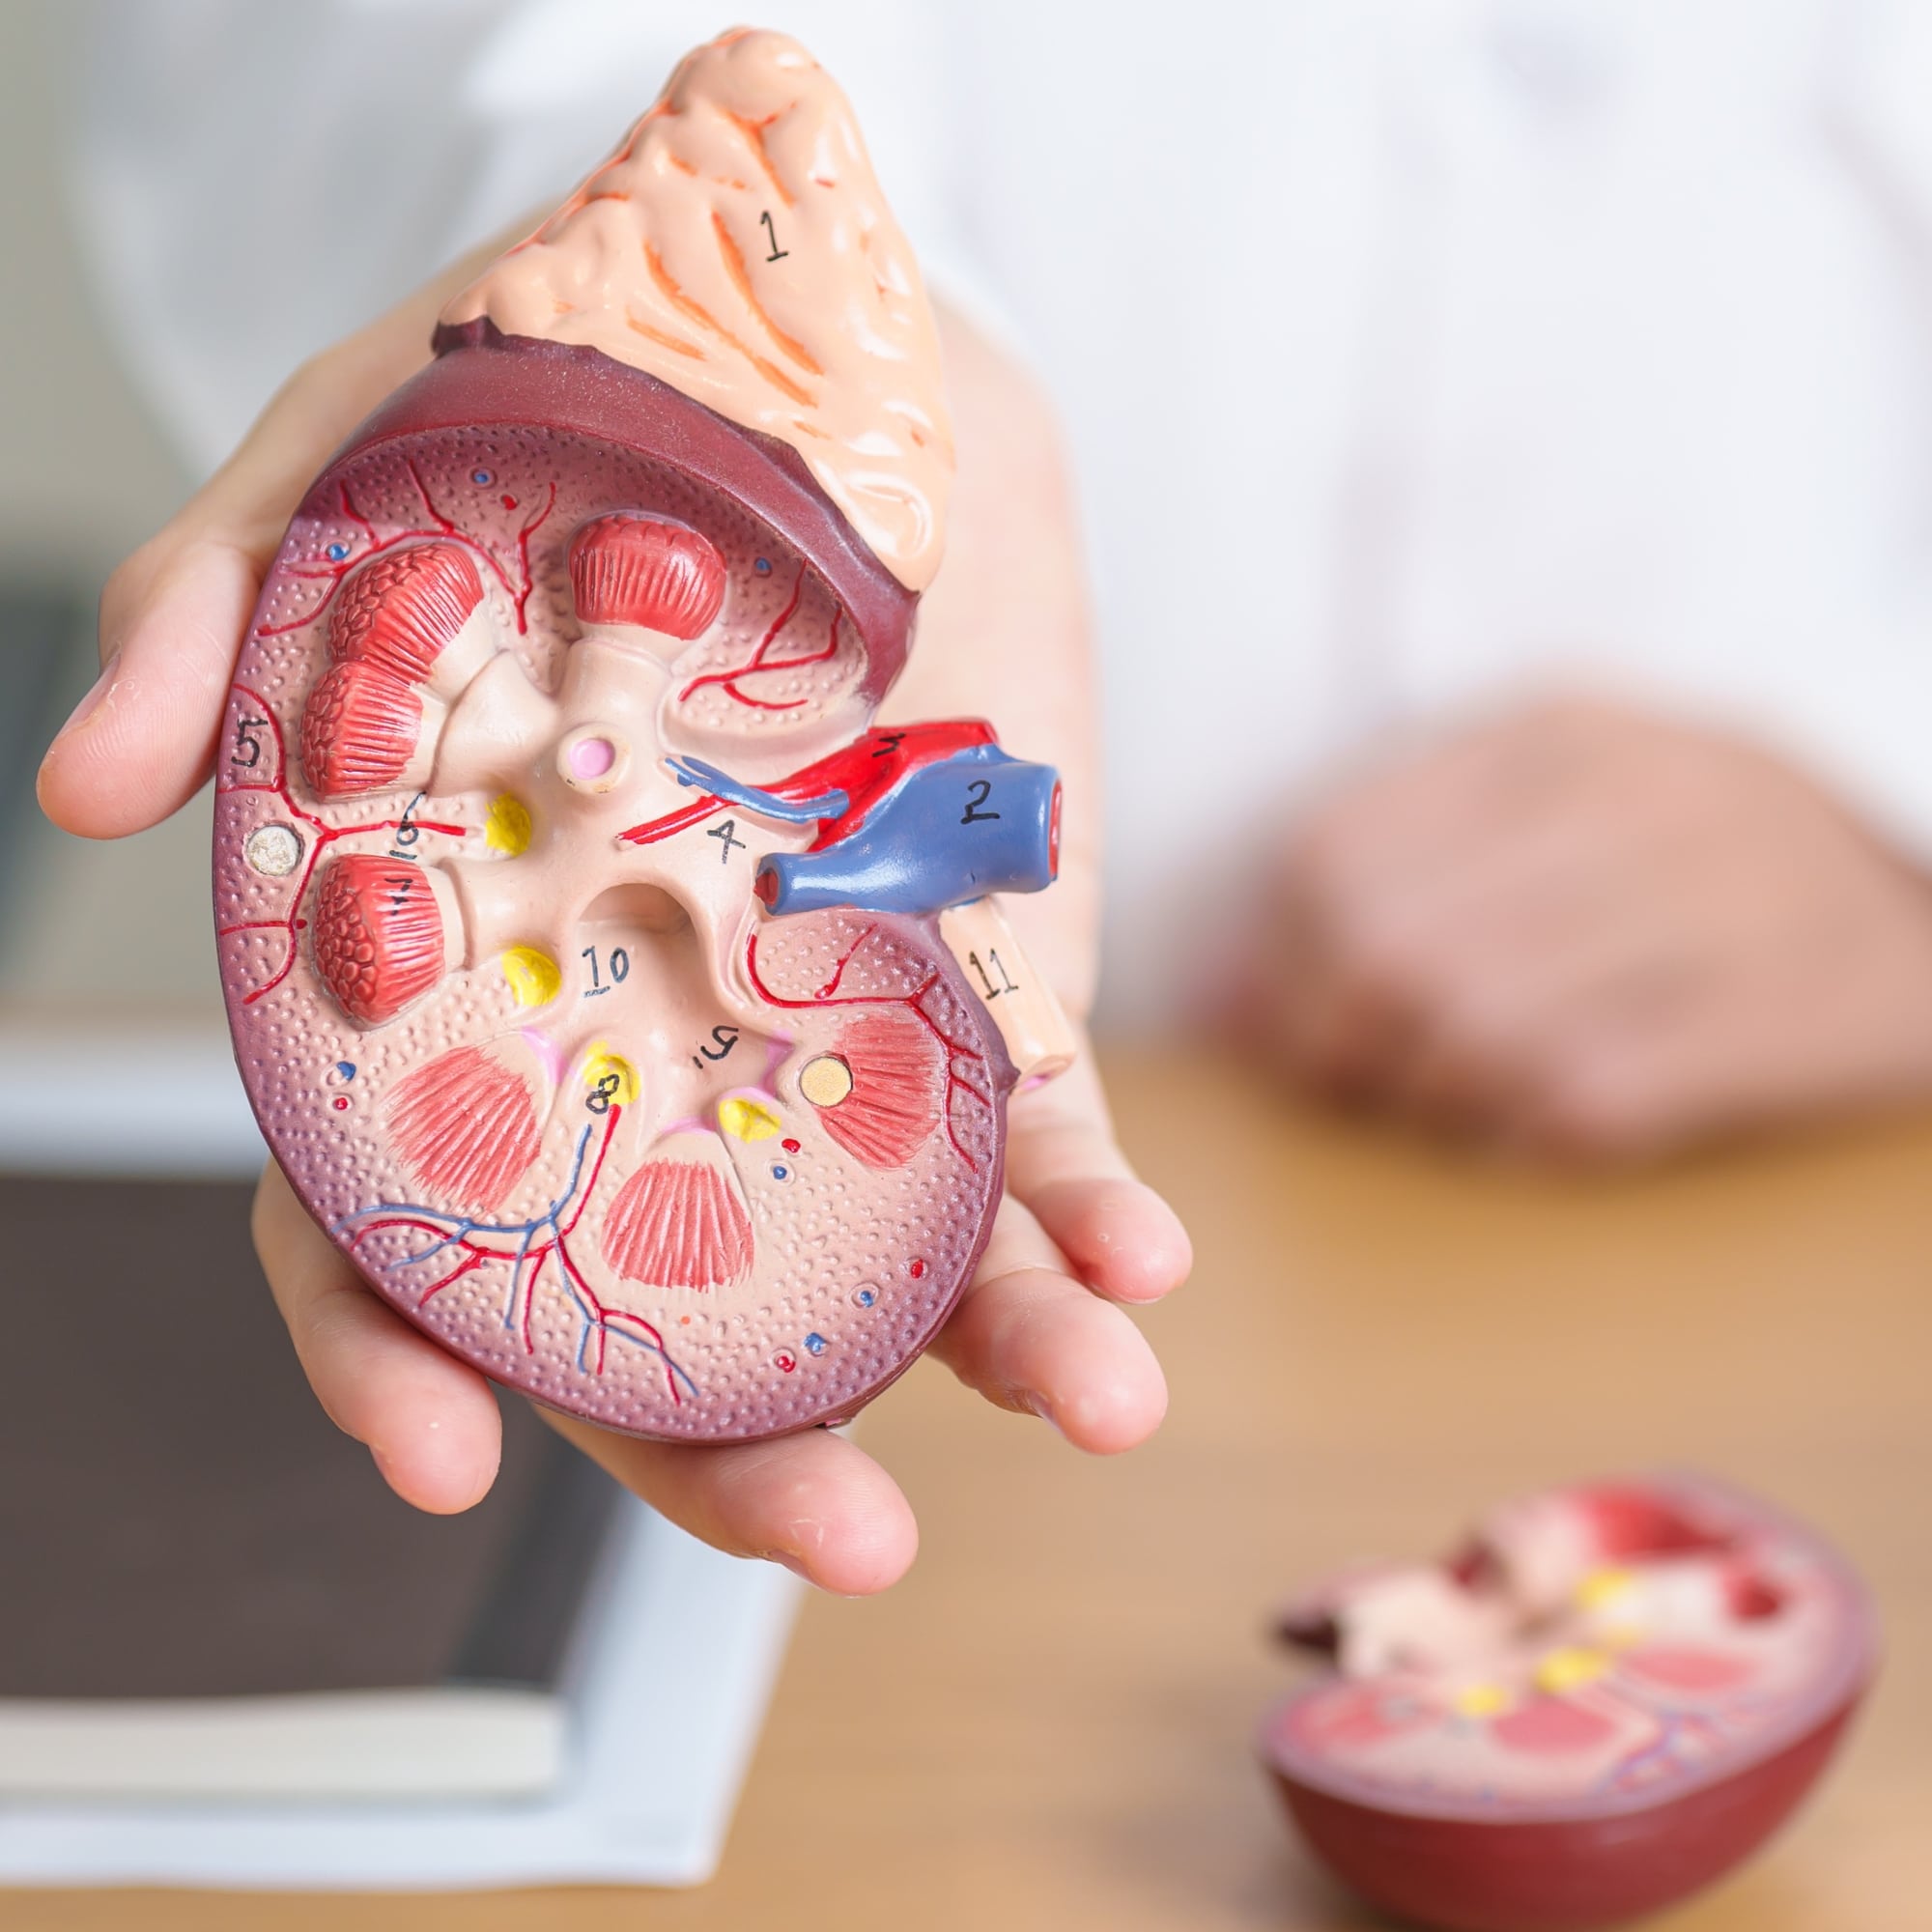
(91, 703)
(785, 1560)
(1038, 1404)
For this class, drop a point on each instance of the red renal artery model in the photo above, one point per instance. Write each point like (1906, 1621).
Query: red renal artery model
(635, 1013)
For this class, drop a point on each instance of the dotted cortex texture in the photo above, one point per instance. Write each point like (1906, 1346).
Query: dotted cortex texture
(640, 996)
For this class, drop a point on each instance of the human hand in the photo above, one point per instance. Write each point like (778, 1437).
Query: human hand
(1041, 1329)
(1585, 931)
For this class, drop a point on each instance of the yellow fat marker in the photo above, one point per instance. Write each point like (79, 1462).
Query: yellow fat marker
(534, 976)
(746, 1119)
(506, 829)
(611, 1075)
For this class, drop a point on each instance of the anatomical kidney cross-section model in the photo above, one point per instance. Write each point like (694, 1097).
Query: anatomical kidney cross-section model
(626, 1002)
(1607, 1697)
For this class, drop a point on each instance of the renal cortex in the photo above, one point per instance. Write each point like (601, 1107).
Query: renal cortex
(633, 1010)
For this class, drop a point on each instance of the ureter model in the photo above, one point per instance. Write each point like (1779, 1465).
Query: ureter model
(635, 1013)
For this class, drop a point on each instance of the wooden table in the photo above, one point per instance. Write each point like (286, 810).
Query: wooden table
(1048, 1724)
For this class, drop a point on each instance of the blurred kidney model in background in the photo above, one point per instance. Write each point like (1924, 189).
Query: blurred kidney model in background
(1500, 428)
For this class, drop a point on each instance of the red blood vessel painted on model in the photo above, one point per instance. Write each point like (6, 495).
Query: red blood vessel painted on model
(560, 696)
(1607, 1698)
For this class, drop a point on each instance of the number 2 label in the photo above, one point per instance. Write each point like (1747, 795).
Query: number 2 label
(976, 795)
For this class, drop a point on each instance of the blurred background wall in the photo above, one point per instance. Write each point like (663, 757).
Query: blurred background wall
(88, 476)
(114, 1055)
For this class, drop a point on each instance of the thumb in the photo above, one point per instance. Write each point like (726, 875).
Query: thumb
(173, 615)
(141, 743)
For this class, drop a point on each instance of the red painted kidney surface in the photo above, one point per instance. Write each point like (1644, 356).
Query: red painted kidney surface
(1613, 1695)
(510, 1008)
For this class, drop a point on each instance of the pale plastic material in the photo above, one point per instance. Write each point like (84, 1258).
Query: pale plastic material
(561, 658)
(1611, 1694)
(1039, 1039)
(736, 244)
(1577, 1668)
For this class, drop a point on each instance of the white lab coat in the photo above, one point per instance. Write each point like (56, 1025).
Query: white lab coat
(1411, 351)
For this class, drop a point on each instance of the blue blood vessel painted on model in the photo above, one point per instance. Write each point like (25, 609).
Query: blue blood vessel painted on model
(910, 822)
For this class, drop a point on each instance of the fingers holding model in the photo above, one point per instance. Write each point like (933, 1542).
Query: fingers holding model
(633, 1010)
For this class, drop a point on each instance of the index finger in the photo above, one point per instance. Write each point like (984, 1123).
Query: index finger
(173, 615)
